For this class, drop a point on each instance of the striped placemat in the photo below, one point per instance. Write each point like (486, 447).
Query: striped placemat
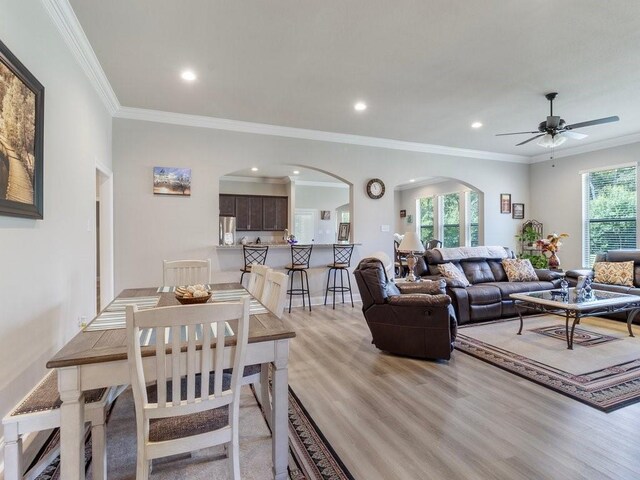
(173, 289)
(114, 315)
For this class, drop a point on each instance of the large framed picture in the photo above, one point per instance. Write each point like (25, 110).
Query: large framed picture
(21, 139)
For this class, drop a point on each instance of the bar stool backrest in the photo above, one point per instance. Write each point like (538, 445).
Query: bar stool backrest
(254, 254)
(301, 255)
(342, 254)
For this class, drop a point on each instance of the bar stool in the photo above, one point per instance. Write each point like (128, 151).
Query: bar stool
(300, 257)
(253, 254)
(341, 263)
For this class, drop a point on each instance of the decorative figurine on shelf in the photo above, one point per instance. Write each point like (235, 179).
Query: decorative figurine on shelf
(291, 239)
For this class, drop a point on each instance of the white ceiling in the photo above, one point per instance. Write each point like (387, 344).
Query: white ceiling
(426, 68)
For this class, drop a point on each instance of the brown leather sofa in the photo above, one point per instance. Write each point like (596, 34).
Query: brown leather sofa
(412, 319)
(487, 298)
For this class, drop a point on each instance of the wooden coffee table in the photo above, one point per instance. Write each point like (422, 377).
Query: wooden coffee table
(572, 306)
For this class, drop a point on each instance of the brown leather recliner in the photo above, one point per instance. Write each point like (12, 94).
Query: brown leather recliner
(412, 319)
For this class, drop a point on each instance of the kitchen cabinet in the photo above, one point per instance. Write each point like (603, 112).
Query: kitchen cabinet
(256, 212)
(227, 205)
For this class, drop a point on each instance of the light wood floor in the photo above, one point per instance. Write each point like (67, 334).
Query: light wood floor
(395, 418)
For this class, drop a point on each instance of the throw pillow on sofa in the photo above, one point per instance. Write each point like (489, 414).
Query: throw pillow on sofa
(449, 270)
(519, 270)
(614, 273)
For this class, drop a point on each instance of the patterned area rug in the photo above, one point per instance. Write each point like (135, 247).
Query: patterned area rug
(605, 376)
(311, 456)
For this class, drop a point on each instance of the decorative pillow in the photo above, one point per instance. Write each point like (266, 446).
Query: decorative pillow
(519, 270)
(449, 270)
(614, 273)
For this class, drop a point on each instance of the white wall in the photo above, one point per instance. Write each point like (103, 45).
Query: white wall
(48, 266)
(323, 198)
(556, 195)
(150, 228)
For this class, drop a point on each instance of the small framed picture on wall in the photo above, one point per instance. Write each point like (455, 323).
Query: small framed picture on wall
(505, 203)
(517, 211)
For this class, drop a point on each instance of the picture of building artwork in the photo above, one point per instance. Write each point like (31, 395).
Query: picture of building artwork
(17, 138)
(171, 181)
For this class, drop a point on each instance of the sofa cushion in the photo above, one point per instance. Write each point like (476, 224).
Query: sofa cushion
(519, 270)
(478, 271)
(449, 270)
(498, 270)
(484, 294)
(614, 273)
(622, 256)
(615, 288)
(507, 288)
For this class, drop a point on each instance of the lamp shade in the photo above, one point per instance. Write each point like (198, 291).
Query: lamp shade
(411, 243)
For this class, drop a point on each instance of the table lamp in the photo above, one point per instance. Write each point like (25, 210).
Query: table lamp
(411, 243)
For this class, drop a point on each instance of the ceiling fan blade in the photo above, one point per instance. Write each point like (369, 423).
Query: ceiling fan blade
(574, 135)
(598, 121)
(514, 133)
(553, 121)
(532, 138)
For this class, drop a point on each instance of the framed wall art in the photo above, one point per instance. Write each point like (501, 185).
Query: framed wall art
(325, 214)
(171, 181)
(343, 232)
(505, 203)
(517, 210)
(21, 139)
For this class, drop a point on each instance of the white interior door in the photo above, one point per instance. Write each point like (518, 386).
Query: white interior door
(306, 221)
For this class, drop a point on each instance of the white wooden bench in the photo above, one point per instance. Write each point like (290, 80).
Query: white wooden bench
(40, 410)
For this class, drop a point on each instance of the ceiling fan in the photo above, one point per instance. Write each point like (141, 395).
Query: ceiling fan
(555, 131)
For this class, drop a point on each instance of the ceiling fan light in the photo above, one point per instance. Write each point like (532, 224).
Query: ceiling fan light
(549, 140)
(559, 140)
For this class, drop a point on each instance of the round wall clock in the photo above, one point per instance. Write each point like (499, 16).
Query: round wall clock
(375, 188)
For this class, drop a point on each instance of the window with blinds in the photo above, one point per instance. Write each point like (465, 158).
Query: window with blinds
(427, 232)
(474, 216)
(609, 207)
(451, 223)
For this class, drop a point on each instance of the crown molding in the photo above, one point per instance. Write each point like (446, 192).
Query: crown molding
(312, 183)
(591, 147)
(239, 178)
(67, 23)
(306, 134)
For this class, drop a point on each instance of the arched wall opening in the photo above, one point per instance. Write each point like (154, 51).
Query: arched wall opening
(442, 208)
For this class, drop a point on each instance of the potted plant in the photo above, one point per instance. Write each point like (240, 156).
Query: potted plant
(528, 235)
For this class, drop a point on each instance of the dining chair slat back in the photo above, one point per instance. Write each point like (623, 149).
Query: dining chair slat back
(190, 355)
(275, 292)
(177, 273)
(257, 280)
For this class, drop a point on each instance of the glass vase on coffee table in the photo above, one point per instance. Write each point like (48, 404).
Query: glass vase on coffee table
(411, 244)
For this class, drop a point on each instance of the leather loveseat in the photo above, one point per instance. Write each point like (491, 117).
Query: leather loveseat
(487, 296)
(412, 319)
(612, 256)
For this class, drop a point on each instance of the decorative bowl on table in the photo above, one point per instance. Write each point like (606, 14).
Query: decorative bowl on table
(192, 294)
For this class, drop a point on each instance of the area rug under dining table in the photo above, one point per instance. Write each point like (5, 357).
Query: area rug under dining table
(603, 369)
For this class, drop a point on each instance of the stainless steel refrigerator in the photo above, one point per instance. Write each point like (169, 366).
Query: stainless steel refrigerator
(227, 230)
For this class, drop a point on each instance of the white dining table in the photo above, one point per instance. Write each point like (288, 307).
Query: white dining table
(97, 357)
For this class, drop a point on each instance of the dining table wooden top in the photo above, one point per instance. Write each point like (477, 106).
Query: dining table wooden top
(97, 346)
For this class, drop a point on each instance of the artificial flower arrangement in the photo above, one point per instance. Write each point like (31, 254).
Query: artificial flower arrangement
(552, 243)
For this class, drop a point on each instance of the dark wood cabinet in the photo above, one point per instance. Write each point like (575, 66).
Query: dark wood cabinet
(275, 213)
(227, 205)
(255, 212)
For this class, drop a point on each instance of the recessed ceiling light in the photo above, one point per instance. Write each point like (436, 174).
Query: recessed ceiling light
(254, 169)
(412, 180)
(476, 124)
(188, 75)
(296, 172)
(360, 107)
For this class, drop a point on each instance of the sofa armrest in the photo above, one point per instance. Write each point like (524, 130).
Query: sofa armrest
(579, 272)
(546, 275)
(420, 300)
(430, 287)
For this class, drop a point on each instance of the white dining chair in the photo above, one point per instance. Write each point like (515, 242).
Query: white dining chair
(176, 273)
(274, 293)
(257, 279)
(199, 406)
